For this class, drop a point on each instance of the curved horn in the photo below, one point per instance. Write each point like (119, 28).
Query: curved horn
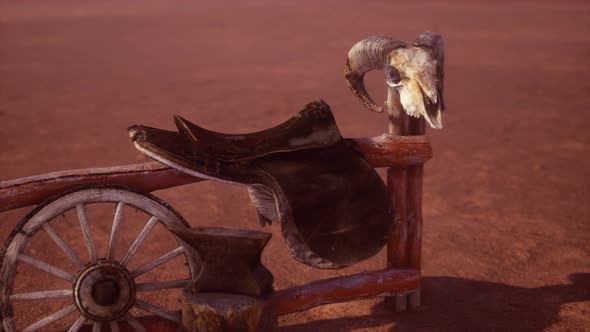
(366, 55)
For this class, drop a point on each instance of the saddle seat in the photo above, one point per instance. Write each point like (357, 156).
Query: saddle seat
(312, 127)
(333, 208)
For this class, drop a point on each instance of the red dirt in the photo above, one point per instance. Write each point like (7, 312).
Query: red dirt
(507, 223)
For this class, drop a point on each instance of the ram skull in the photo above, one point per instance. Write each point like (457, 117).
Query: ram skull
(413, 74)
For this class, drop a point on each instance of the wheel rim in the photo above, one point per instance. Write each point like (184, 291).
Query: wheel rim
(104, 289)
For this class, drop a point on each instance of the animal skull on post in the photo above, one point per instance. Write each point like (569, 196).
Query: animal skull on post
(414, 74)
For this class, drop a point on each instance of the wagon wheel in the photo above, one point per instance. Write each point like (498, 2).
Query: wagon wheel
(104, 288)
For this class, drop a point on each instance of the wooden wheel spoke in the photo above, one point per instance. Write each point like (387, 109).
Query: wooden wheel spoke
(86, 231)
(62, 244)
(174, 316)
(135, 324)
(20, 262)
(77, 324)
(157, 262)
(52, 294)
(159, 285)
(51, 318)
(97, 326)
(139, 240)
(115, 230)
(46, 267)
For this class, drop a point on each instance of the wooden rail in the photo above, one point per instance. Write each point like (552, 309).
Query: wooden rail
(380, 151)
(403, 155)
(347, 288)
(146, 177)
(316, 293)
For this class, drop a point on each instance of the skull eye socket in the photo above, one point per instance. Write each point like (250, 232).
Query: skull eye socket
(392, 75)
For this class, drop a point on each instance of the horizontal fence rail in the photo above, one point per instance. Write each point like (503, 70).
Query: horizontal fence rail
(347, 288)
(380, 151)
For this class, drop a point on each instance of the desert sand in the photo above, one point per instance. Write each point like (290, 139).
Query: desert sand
(506, 240)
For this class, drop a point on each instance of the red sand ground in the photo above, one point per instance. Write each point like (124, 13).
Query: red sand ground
(506, 234)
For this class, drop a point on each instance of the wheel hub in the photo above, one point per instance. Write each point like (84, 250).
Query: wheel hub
(104, 290)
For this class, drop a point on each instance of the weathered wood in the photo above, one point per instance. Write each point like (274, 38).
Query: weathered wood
(405, 247)
(414, 299)
(158, 261)
(397, 247)
(97, 327)
(51, 318)
(390, 150)
(415, 174)
(400, 302)
(77, 324)
(225, 312)
(115, 326)
(83, 219)
(139, 240)
(38, 219)
(55, 271)
(62, 244)
(415, 178)
(406, 155)
(347, 288)
(159, 285)
(35, 189)
(135, 324)
(42, 295)
(380, 151)
(172, 315)
(397, 250)
(151, 323)
(115, 230)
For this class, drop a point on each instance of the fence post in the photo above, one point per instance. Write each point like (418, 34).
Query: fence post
(415, 177)
(405, 188)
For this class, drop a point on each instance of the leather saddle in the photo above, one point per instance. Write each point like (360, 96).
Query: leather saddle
(333, 208)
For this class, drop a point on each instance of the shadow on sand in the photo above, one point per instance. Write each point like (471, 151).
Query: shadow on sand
(455, 304)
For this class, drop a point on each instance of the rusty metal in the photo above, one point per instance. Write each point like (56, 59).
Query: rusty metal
(233, 291)
(229, 260)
